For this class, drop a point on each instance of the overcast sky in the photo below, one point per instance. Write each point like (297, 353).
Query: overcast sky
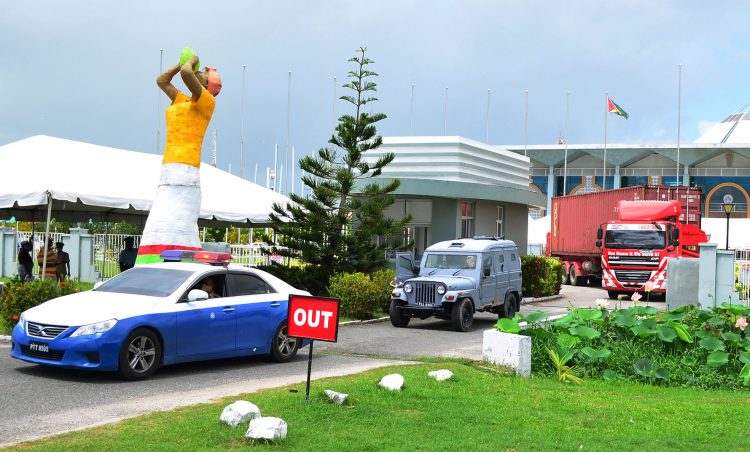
(86, 70)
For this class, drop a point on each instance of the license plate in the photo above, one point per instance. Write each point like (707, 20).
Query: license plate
(39, 347)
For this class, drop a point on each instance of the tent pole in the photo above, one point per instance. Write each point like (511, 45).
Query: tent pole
(46, 234)
(104, 245)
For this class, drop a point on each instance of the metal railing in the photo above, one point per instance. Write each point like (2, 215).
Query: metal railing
(742, 273)
(107, 249)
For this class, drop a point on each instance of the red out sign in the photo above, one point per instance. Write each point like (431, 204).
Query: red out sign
(313, 318)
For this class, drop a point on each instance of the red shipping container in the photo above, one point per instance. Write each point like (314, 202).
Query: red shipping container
(576, 218)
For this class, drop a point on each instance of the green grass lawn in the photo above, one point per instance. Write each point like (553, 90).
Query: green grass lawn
(479, 409)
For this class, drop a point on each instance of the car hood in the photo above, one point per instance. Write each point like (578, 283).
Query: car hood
(453, 282)
(90, 307)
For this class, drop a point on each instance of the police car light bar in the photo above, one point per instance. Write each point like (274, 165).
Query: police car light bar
(206, 257)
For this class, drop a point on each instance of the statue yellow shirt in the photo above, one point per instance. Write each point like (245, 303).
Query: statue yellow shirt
(187, 122)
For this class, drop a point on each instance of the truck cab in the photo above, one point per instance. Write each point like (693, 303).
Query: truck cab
(635, 247)
(455, 279)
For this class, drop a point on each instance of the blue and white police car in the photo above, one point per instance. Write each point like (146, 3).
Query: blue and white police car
(160, 314)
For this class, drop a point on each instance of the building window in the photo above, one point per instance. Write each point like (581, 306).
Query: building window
(499, 225)
(732, 193)
(467, 220)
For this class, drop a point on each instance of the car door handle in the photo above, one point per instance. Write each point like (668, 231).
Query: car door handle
(228, 309)
(275, 304)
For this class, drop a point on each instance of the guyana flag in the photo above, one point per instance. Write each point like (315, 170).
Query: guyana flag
(614, 108)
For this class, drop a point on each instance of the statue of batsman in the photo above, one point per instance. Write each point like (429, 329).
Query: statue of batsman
(173, 220)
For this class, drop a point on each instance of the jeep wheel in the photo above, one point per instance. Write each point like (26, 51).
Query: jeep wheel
(399, 318)
(462, 315)
(508, 310)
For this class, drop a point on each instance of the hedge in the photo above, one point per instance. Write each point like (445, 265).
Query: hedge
(19, 296)
(362, 296)
(542, 276)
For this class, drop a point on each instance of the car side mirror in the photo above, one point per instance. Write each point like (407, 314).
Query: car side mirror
(415, 269)
(487, 271)
(598, 243)
(599, 234)
(197, 295)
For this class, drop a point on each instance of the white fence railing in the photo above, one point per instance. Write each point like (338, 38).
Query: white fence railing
(742, 273)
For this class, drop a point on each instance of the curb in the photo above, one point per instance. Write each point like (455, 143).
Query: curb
(364, 322)
(529, 300)
(4, 338)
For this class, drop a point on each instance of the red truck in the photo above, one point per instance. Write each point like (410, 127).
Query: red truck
(622, 238)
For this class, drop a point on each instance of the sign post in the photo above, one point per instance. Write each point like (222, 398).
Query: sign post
(313, 318)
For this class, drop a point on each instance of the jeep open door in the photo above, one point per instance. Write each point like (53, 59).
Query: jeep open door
(404, 267)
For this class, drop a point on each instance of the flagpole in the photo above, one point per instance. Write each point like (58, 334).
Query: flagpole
(411, 111)
(445, 113)
(606, 115)
(487, 140)
(565, 170)
(526, 123)
(679, 98)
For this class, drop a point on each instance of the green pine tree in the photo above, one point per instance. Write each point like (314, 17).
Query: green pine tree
(340, 226)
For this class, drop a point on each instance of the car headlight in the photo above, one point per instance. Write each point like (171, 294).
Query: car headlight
(22, 322)
(408, 287)
(94, 328)
(441, 289)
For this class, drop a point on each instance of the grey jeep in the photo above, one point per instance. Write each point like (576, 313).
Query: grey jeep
(457, 278)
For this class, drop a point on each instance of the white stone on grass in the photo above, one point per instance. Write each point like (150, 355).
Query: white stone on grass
(239, 412)
(441, 375)
(394, 382)
(336, 397)
(267, 428)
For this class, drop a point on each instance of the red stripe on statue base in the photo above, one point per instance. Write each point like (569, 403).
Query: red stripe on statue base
(158, 249)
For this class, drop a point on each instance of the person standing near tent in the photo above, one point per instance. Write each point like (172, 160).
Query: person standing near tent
(50, 271)
(127, 257)
(173, 220)
(63, 262)
(25, 263)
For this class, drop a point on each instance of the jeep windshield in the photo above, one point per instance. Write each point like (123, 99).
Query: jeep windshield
(454, 261)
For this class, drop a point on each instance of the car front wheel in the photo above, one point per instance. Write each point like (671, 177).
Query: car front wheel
(140, 355)
(462, 315)
(284, 347)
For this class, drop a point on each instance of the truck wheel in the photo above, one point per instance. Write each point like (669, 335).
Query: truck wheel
(399, 318)
(508, 310)
(613, 294)
(462, 315)
(565, 276)
(575, 280)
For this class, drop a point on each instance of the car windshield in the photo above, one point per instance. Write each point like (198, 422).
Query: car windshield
(153, 282)
(638, 239)
(435, 260)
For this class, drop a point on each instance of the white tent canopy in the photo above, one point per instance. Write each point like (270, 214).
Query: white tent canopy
(91, 182)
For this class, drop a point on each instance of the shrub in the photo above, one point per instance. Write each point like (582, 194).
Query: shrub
(542, 276)
(306, 277)
(357, 293)
(382, 280)
(684, 347)
(20, 296)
